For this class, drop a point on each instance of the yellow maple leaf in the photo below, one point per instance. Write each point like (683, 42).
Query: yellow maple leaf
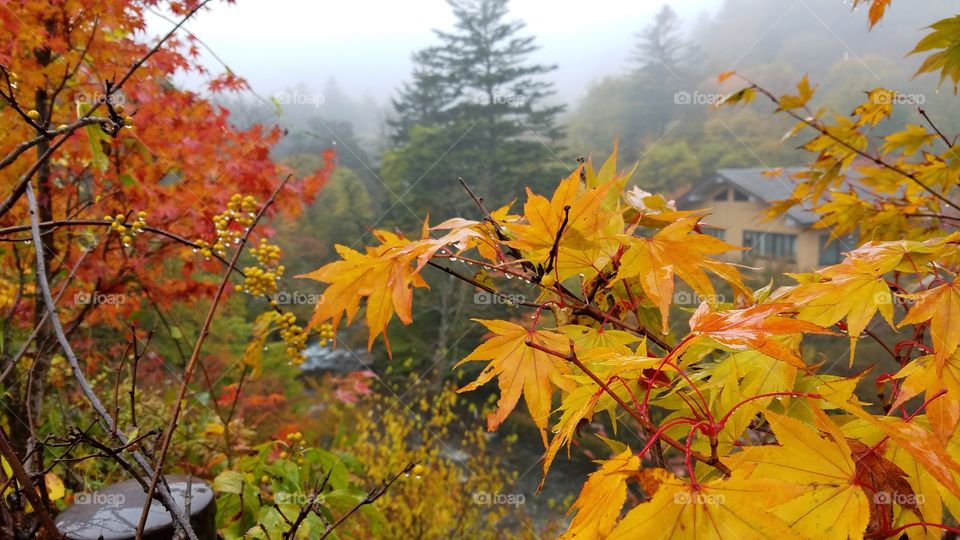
(55, 487)
(677, 251)
(941, 306)
(756, 328)
(723, 509)
(831, 505)
(520, 369)
(601, 498)
(853, 290)
(574, 213)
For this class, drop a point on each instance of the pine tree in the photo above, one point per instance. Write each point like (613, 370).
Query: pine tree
(481, 107)
(663, 66)
(475, 108)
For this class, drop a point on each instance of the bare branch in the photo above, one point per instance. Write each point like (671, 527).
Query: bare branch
(165, 497)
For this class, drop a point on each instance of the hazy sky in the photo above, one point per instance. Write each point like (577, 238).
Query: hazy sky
(366, 44)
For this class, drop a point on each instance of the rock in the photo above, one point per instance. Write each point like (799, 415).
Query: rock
(113, 512)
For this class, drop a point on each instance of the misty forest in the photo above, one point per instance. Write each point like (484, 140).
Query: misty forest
(480, 269)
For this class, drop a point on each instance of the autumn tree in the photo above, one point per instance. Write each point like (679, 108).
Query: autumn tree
(129, 202)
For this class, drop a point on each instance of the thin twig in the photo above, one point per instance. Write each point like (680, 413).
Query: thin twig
(192, 363)
(371, 497)
(26, 487)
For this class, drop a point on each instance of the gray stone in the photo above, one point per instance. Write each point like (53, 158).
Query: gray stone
(113, 512)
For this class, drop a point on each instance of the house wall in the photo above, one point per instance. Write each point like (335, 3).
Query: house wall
(735, 217)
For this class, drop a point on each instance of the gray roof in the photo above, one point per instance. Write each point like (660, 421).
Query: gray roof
(753, 183)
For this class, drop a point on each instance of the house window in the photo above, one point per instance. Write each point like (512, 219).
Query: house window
(713, 231)
(721, 196)
(772, 245)
(832, 252)
(740, 196)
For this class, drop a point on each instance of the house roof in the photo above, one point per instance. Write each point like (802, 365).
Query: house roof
(754, 183)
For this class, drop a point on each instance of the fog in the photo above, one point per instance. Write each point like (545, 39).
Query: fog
(366, 44)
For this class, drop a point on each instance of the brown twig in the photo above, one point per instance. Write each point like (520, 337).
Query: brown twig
(371, 497)
(555, 249)
(27, 488)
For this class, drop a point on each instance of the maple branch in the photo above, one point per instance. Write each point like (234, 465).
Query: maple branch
(886, 347)
(826, 132)
(743, 402)
(483, 286)
(645, 422)
(657, 449)
(936, 216)
(165, 497)
(195, 356)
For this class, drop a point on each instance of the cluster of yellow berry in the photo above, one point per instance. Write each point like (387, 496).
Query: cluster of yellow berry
(118, 224)
(262, 280)
(240, 210)
(204, 248)
(259, 281)
(294, 337)
(296, 445)
(326, 334)
(267, 254)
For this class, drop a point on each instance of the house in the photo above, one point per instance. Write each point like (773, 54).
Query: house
(739, 198)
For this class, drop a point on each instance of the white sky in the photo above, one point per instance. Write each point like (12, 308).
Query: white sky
(366, 44)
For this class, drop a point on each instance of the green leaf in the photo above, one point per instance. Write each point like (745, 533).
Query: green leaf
(228, 482)
(97, 139)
